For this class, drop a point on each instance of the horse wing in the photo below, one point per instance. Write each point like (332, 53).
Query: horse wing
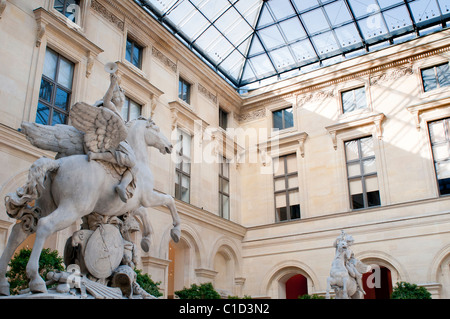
(63, 139)
(103, 128)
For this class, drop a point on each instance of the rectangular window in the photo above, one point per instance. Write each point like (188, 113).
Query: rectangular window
(353, 100)
(224, 189)
(362, 173)
(56, 90)
(283, 118)
(69, 8)
(133, 53)
(183, 167)
(285, 178)
(440, 143)
(436, 77)
(130, 110)
(184, 91)
(223, 119)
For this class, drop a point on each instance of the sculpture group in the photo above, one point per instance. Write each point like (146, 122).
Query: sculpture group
(101, 175)
(346, 271)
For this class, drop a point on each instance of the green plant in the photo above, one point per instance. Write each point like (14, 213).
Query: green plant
(204, 291)
(306, 296)
(146, 283)
(404, 290)
(48, 261)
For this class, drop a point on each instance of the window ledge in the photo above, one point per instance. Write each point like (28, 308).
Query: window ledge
(375, 119)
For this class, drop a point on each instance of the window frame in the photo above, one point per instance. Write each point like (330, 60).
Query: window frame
(222, 177)
(55, 86)
(363, 176)
(283, 119)
(183, 83)
(65, 6)
(354, 102)
(128, 101)
(179, 172)
(286, 190)
(434, 67)
(446, 123)
(223, 118)
(134, 44)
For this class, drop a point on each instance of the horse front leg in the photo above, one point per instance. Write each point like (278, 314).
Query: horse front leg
(147, 228)
(329, 280)
(17, 236)
(157, 199)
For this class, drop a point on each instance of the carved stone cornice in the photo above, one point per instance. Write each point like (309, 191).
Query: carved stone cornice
(109, 16)
(204, 91)
(375, 120)
(164, 60)
(138, 79)
(391, 75)
(279, 141)
(251, 115)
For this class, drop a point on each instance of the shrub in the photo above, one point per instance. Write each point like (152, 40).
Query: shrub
(48, 261)
(404, 290)
(146, 283)
(204, 291)
(306, 296)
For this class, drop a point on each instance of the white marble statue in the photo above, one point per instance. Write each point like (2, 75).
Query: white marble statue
(346, 271)
(102, 167)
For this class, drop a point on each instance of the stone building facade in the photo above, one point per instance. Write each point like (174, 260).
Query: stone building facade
(363, 146)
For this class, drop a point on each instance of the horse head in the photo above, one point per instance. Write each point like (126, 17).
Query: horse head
(153, 136)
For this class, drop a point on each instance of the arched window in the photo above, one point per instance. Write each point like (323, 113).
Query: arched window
(377, 283)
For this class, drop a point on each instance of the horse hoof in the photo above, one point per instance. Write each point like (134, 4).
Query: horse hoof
(175, 233)
(145, 244)
(38, 286)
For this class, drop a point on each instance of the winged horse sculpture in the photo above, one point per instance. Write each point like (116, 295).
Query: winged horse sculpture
(63, 190)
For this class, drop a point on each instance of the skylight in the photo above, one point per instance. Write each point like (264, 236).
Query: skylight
(248, 41)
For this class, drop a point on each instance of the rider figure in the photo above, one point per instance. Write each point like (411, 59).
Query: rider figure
(123, 155)
(350, 264)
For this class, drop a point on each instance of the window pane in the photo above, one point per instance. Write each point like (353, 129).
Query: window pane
(124, 111)
(278, 166)
(437, 132)
(295, 211)
(354, 169)
(186, 144)
(293, 182)
(225, 207)
(369, 166)
(42, 114)
(371, 183)
(288, 118)
(443, 170)
(373, 199)
(348, 101)
(357, 201)
(278, 120)
(135, 110)
(291, 163)
(137, 56)
(360, 98)
(58, 118)
(351, 150)
(429, 79)
(294, 198)
(367, 147)
(282, 213)
(128, 51)
(355, 187)
(65, 74)
(280, 200)
(443, 73)
(51, 59)
(62, 99)
(185, 189)
(225, 186)
(186, 166)
(441, 152)
(280, 184)
(45, 92)
(444, 186)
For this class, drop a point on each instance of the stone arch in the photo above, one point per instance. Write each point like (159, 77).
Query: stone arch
(229, 249)
(10, 186)
(273, 284)
(439, 271)
(398, 272)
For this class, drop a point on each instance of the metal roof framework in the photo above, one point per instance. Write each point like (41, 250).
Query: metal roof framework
(251, 42)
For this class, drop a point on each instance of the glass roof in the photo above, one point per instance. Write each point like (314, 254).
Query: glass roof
(251, 41)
